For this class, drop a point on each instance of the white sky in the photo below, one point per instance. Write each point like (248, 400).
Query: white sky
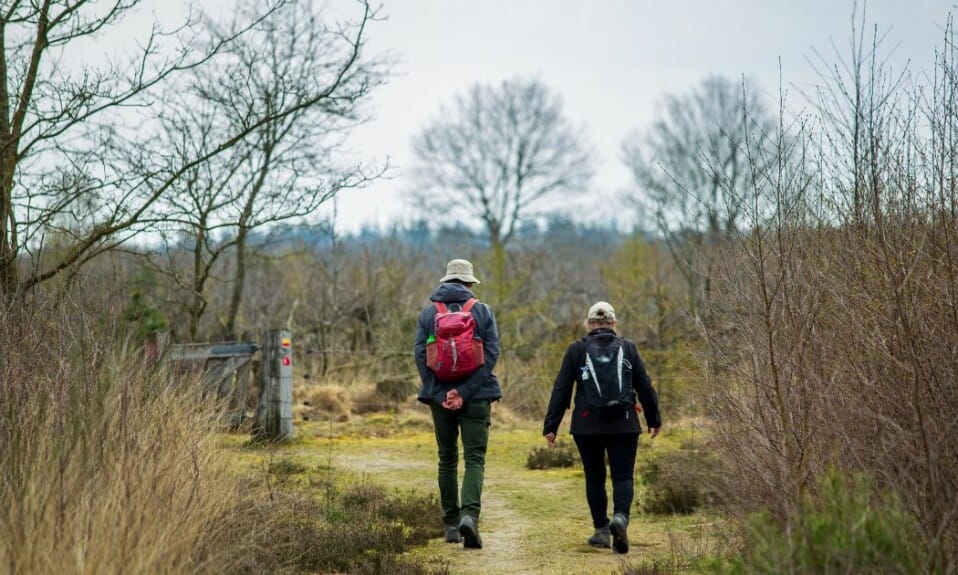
(610, 60)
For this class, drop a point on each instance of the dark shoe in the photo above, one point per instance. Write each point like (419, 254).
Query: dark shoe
(620, 536)
(470, 533)
(601, 538)
(452, 534)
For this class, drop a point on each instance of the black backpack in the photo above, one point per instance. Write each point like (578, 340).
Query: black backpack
(607, 378)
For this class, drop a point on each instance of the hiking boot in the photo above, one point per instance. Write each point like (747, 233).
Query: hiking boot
(452, 534)
(601, 538)
(620, 536)
(470, 533)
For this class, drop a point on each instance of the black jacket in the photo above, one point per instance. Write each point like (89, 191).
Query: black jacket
(584, 423)
(482, 384)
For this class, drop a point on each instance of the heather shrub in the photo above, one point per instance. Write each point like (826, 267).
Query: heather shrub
(848, 528)
(545, 457)
(678, 482)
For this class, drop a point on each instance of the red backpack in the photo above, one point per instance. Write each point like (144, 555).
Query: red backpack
(454, 352)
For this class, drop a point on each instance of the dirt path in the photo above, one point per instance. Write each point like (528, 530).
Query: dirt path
(502, 528)
(533, 522)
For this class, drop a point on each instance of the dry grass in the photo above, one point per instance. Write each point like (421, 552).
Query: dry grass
(111, 465)
(106, 466)
(322, 401)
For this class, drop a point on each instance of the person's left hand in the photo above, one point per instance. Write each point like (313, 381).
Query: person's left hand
(453, 400)
(653, 431)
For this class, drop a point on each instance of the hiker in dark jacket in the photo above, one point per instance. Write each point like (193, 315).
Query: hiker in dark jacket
(597, 436)
(460, 406)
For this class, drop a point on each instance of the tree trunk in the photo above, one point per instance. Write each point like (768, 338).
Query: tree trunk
(239, 281)
(9, 272)
(196, 305)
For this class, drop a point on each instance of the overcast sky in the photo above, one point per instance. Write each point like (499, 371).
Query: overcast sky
(610, 60)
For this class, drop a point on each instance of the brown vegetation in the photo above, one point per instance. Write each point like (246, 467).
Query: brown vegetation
(810, 271)
(835, 333)
(110, 464)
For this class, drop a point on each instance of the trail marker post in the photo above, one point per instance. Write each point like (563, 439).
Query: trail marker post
(274, 408)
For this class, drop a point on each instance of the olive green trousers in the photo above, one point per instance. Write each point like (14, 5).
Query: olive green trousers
(472, 423)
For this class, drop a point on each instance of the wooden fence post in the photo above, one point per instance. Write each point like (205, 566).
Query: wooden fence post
(274, 409)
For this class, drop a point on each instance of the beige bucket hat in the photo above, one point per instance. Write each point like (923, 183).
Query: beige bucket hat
(459, 270)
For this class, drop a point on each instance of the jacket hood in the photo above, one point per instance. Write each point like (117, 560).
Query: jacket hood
(603, 335)
(451, 292)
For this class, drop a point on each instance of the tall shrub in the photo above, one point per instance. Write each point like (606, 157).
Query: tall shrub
(837, 334)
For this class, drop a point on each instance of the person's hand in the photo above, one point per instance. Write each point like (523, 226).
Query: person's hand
(453, 400)
(551, 438)
(653, 431)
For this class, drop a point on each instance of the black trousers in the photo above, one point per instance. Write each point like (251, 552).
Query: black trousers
(621, 449)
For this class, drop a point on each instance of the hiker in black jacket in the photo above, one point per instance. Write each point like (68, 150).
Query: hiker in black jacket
(597, 434)
(460, 406)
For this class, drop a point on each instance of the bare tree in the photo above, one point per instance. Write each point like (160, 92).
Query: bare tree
(691, 170)
(52, 118)
(80, 140)
(496, 154)
(289, 165)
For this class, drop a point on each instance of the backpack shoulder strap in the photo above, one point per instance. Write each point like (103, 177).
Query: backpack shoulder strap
(467, 307)
(441, 307)
(619, 359)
